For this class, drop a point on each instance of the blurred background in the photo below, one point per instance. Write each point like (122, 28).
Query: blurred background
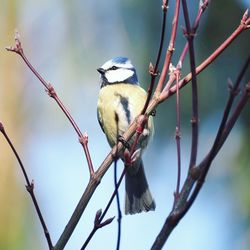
(66, 41)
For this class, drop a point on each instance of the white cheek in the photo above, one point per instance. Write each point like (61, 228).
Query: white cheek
(118, 75)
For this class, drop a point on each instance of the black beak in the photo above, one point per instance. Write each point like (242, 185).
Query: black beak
(101, 71)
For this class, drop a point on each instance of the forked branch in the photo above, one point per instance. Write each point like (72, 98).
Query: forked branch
(52, 93)
(196, 175)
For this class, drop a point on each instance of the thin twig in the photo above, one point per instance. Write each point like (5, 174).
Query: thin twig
(233, 92)
(178, 136)
(225, 128)
(183, 206)
(153, 70)
(114, 194)
(206, 164)
(195, 27)
(49, 88)
(244, 25)
(99, 215)
(102, 215)
(29, 186)
(195, 115)
(97, 225)
(197, 175)
(52, 93)
(119, 219)
(84, 141)
(170, 50)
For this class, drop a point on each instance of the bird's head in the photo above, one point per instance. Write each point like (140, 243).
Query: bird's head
(118, 70)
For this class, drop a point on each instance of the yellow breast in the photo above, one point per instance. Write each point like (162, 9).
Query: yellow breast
(127, 101)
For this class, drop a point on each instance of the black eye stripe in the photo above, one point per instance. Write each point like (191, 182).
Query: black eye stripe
(113, 68)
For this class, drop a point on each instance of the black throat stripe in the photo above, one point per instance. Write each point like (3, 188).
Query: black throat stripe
(125, 105)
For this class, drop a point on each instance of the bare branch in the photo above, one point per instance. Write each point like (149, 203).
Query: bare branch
(84, 141)
(29, 186)
(244, 25)
(206, 163)
(153, 70)
(178, 135)
(116, 187)
(118, 207)
(51, 92)
(101, 217)
(195, 115)
(97, 225)
(197, 175)
(234, 91)
(195, 27)
(169, 51)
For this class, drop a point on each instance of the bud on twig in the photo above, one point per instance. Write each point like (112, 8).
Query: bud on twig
(18, 46)
(51, 91)
(164, 5)
(1, 127)
(106, 222)
(30, 187)
(97, 217)
(233, 89)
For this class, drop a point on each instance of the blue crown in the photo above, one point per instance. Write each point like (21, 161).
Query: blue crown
(120, 59)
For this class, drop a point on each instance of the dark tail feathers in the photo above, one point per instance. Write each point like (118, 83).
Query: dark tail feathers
(138, 197)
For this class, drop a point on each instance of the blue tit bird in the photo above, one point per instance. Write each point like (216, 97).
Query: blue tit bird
(121, 94)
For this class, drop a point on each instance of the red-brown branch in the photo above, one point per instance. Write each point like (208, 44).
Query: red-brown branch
(52, 93)
(244, 25)
(170, 50)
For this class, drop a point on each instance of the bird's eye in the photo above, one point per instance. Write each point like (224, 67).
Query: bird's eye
(114, 68)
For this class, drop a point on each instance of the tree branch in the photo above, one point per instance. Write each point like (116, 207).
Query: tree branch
(244, 25)
(52, 93)
(197, 175)
(170, 50)
(153, 70)
(29, 186)
(178, 136)
(195, 115)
